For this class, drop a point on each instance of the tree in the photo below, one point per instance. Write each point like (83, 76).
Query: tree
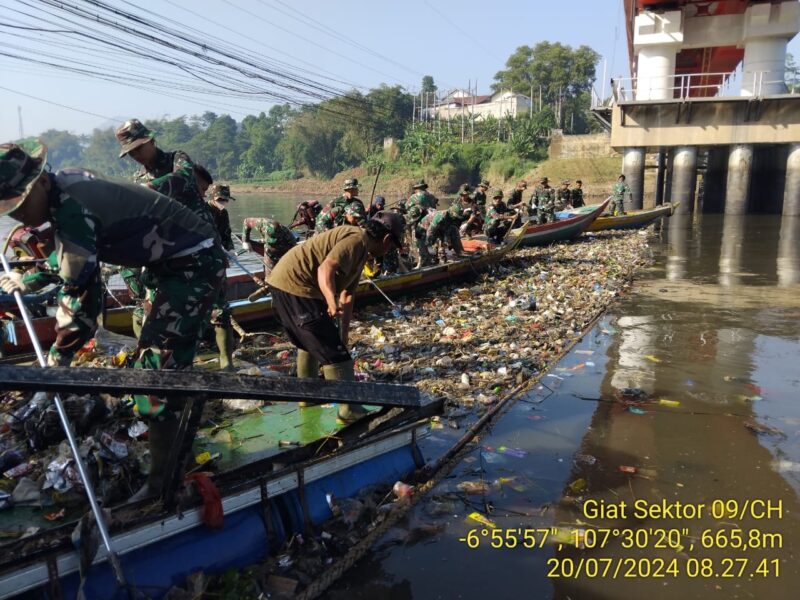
(64, 149)
(559, 73)
(428, 86)
(792, 74)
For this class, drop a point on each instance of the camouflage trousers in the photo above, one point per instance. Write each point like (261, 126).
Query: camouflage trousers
(616, 206)
(184, 291)
(76, 319)
(454, 239)
(546, 214)
(421, 245)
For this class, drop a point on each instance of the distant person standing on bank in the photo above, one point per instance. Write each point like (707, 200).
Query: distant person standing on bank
(314, 284)
(621, 189)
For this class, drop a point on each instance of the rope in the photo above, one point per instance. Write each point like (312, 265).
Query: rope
(438, 471)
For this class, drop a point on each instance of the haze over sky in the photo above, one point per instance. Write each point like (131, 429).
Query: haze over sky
(455, 41)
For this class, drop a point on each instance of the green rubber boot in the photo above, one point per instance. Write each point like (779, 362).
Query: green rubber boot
(161, 436)
(343, 371)
(137, 321)
(307, 368)
(224, 336)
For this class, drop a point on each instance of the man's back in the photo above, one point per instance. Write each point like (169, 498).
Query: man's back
(296, 272)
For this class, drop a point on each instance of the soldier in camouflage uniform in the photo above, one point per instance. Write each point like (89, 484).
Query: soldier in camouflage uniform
(621, 189)
(98, 220)
(173, 174)
(543, 198)
(498, 218)
(220, 195)
(349, 199)
(577, 194)
(418, 205)
(563, 196)
(479, 196)
(278, 240)
(434, 226)
(460, 211)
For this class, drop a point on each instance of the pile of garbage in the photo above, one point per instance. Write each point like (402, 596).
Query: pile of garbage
(470, 345)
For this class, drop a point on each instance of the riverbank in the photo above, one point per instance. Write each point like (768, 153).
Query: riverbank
(598, 175)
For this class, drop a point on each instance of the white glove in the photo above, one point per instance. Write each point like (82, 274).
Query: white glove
(11, 282)
(246, 246)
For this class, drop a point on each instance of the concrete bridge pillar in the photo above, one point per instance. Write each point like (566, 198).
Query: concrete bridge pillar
(768, 26)
(684, 178)
(633, 169)
(791, 192)
(661, 169)
(656, 73)
(740, 164)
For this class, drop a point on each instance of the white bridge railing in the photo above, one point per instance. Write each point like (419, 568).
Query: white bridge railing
(756, 84)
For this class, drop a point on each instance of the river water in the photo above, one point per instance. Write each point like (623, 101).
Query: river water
(709, 335)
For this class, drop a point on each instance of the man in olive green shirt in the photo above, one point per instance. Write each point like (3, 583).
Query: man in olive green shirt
(315, 283)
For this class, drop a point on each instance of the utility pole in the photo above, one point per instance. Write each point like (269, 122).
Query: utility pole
(19, 116)
(472, 119)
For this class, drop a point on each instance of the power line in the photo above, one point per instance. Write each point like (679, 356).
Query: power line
(473, 39)
(86, 112)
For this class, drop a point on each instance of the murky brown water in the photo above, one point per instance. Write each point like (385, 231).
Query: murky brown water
(710, 337)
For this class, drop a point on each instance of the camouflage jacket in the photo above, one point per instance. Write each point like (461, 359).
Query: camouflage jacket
(222, 224)
(97, 220)
(327, 218)
(420, 204)
(435, 223)
(479, 198)
(497, 212)
(621, 189)
(459, 213)
(577, 197)
(341, 207)
(277, 238)
(543, 197)
(173, 176)
(562, 198)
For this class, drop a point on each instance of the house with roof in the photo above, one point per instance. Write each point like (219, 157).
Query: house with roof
(460, 103)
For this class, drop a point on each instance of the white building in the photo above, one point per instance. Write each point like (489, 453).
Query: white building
(498, 105)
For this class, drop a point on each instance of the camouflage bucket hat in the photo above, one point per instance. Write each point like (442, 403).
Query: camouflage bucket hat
(132, 134)
(350, 184)
(221, 192)
(464, 189)
(419, 184)
(20, 166)
(497, 193)
(484, 183)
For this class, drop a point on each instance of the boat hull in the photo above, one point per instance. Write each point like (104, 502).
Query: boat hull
(258, 518)
(632, 220)
(572, 225)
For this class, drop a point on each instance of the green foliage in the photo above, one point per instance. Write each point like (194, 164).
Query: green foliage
(792, 72)
(562, 75)
(428, 86)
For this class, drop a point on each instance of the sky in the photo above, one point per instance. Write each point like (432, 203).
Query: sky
(459, 43)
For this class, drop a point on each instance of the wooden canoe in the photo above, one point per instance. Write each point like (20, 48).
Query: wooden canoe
(566, 227)
(633, 219)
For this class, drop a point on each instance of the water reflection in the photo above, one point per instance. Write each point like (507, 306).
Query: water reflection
(680, 226)
(730, 255)
(789, 251)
